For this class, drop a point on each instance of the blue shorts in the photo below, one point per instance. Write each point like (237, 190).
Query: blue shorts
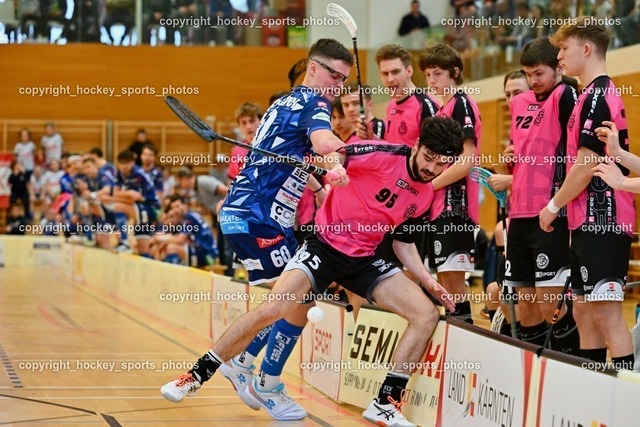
(264, 251)
(146, 216)
(198, 257)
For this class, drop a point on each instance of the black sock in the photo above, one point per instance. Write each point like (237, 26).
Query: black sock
(392, 387)
(596, 354)
(535, 334)
(206, 366)
(623, 362)
(462, 311)
(565, 336)
(491, 314)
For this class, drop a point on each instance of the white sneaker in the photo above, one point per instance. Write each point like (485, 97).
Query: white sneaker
(181, 387)
(386, 415)
(239, 376)
(123, 248)
(276, 402)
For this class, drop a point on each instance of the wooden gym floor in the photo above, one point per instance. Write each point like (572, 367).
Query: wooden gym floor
(74, 357)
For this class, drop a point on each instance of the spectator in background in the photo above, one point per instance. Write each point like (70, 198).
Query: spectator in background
(168, 181)
(16, 221)
(138, 143)
(459, 36)
(628, 31)
(148, 158)
(248, 116)
(19, 183)
(36, 190)
(195, 246)
(342, 127)
(158, 11)
(519, 34)
(209, 191)
(413, 21)
(119, 12)
(51, 142)
(24, 151)
(53, 11)
(186, 9)
(220, 9)
(51, 180)
(29, 12)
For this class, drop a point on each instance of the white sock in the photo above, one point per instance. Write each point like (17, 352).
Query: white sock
(244, 360)
(268, 382)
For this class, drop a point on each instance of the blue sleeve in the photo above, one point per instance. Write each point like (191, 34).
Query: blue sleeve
(315, 115)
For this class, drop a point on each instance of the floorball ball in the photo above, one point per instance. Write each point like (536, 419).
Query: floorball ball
(315, 314)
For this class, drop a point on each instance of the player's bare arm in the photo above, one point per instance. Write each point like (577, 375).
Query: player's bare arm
(577, 180)
(408, 254)
(460, 168)
(609, 135)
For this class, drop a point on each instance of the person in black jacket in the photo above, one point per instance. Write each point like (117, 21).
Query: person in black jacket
(414, 20)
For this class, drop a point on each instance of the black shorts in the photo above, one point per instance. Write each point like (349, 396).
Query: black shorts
(452, 245)
(535, 257)
(599, 265)
(324, 265)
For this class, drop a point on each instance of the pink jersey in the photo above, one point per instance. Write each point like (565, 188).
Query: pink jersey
(405, 116)
(539, 139)
(599, 208)
(238, 157)
(306, 207)
(460, 199)
(380, 197)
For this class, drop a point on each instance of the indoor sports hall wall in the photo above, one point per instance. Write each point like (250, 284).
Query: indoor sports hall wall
(468, 376)
(211, 81)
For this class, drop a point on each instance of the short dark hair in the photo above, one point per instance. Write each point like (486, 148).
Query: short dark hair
(444, 57)
(336, 106)
(126, 156)
(89, 160)
(513, 75)
(150, 146)
(97, 151)
(393, 51)
(441, 135)
(353, 89)
(331, 49)
(184, 172)
(539, 51)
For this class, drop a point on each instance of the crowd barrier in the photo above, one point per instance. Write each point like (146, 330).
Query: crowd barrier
(468, 376)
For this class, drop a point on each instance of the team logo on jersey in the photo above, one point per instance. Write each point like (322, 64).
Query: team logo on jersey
(282, 216)
(437, 247)
(411, 211)
(402, 130)
(587, 124)
(287, 199)
(542, 261)
(265, 243)
(252, 264)
(467, 121)
(572, 122)
(405, 186)
(322, 116)
(539, 118)
(584, 274)
(533, 107)
(322, 104)
(379, 262)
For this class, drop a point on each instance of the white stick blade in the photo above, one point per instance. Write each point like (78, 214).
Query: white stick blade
(345, 17)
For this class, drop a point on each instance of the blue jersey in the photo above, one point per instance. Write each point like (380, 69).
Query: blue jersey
(139, 181)
(104, 179)
(156, 177)
(200, 233)
(267, 191)
(66, 184)
(109, 168)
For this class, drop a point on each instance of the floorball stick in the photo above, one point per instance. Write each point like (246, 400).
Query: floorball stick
(339, 12)
(205, 132)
